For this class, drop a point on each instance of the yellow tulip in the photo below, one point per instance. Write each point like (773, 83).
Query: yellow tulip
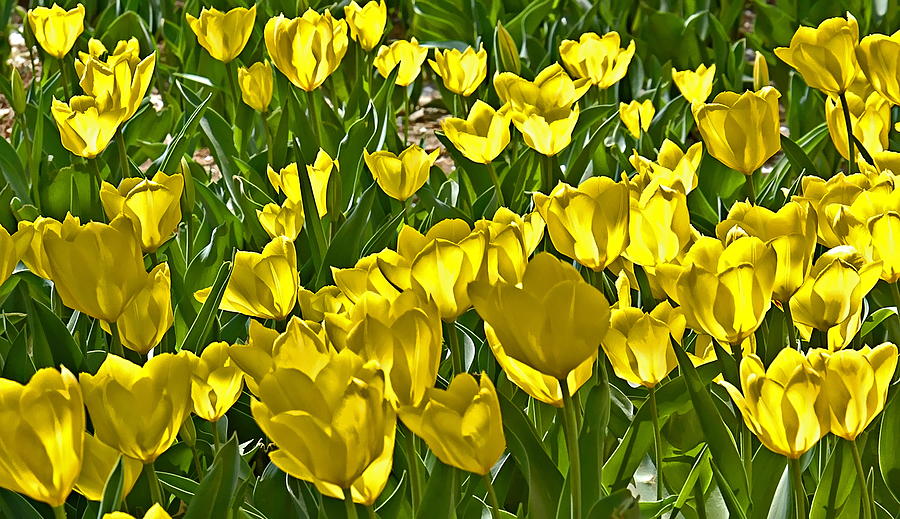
(724, 290)
(548, 133)
(329, 299)
(826, 55)
(55, 28)
(760, 71)
(366, 22)
(282, 220)
(462, 72)
(96, 268)
(482, 135)
(85, 127)
(552, 323)
(288, 180)
(511, 240)
(597, 58)
(262, 285)
(869, 224)
(154, 205)
(551, 92)
(216, 382)
(223, 34)
(306, 49)
(367, 276)
(741, 130)
(638, 344)
(30, 240)
(99, 461)
(256, 85)
(119, 82)
(659, 226)
(637, 116)
(791, 232)
(462, 424)
(831, 297)
(331, 424)
(12, 249)
(138, 409)
(879, 58)
(409, 55)
(41, 441)
(695, 85)
(156, 512)
(870, 118)
(401, 176)
(148, 316)
(588, 224)
(672, 167)
(783, 406)
(855, 385)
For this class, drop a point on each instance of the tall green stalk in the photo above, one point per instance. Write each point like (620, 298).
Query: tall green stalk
(572, 448)
(868, 506)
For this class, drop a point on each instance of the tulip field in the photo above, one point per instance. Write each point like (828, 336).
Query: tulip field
(440, 259)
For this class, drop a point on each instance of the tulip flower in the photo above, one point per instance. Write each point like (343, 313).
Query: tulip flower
(96, 268)
(11, 250)
(552, 323)
(672, 167)
(41, 440)
(148, 316)
(331, 424)
(548, 133)
(138, 409)
(319, 172)
(56, 29)
(282, 220)
(551, 92)
(320, 39)
(879, 58)
(695, 85)
(638, 344)
(329, 299)
(223, 34)
(511, 240)
(760, 71)
(597, 58)
(855, 385)
(366, 22)
(741, 130)
(367, 276)
(869, 224)
(791, 232)
(588, 224)
(826, 55)
(99, 461)
(783, 406)
(870, 118)
(462, 72)
(262, 285)
(119, 82)
(153, 205)
(637, 116)
(409, 55)
(401, 176)
(481, 136)
(831, 297)
(85, 126)
(659, 226)
(462, 424)
(156, 512)
(256, 85)
(30, 240)
(216, 382)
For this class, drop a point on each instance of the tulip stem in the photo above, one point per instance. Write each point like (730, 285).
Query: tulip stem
(895, 292)
(415, 475)
(217, 441)
(751, 189)
(572, 448)
(270, 150)
(743, 432)
(789, 323)
(95, 172)
(59, 512)
(496, 180)
(657, 443)
(455, 353)
(370, 510)
(153, 481)
(313, 116)
(348, 503)
(850, 155)
(799, 491)
(406, 109)
(123, 153)
(64, 74)
(492, 496)
(861, 478)
(115, 346)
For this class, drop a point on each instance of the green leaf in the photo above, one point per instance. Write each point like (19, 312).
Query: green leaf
(214, 495)
(888, 455)
(837, 495)
(14, 505)
(112, 490)
(50, 334)
(196, 336)
(13, 172)
(436, 498)
(876, 318)
(621, 504)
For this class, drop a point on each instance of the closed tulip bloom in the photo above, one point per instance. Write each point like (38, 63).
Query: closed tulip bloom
(791, 232)
(319, 172)
(401, 176)
(367, 276)
(659, 224)
(409, 55)
(552, 323)
(831, 297)
(462, 72)
(870, 118)
(695, 85)
(870, 224)
(636, 116)
(329, 299)
(156, 512)
(55, 28)
(223, 34)
(256, 85)
(597, 58)
(306, 49)
(482, 135)
(855, 385)
(760, 71)
(262, 285)
(879, 59)
(741, 130)
(282, 220)
(552, 91)
(672, 167)
(138, 409)
(588, 224)
(96, 268)
(331, 425)
(216, 382)
(826, 55)
(462, 424)
(638, 344)
(511, 240)
(30, 240)
(154, 205)
(119, 82)
(148, 316)
(366, 22)
(547, 133)
(85, 127)
(41, 443)
(99, 461)
(783, 406)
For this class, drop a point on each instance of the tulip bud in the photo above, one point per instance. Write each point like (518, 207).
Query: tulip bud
(17, 89)
(481, 136)
(99, 461)
(256, 85)
(638, 344)
(879, 59)
(216, 382)
(86, 127)
(760, 72)
(462, 72)
(223, 34)
(509, 245)
(282, 220)
(597, 58)
(401, 176)
(323, 41)
(509, 51)
(55, 28)
(637, 116)
(187, 432)
(695, 85)
(366, 22)
(409, 55)
(659, 224)
(826, 55)
(153, 205)
(148, 316)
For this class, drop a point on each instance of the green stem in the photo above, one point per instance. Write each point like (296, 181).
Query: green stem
(406, 109)
(799, 491)
(415, 474)
(496, 180)
(572, 448)
(123, 153)
(153, 481)
(455, 352)
(231, 72)
(895, 292)
(743, 432)
(59, 512)
(64, 74)
(348, 503)
(868, 506)
(115, 345)
(313, 109)
(699, 501)
(197, 462)
(95, 172)
(789, 322)
(370, 511)
(454, 490)
(751, 189)
(270, 150)
(217, 441)
(492, 496)
(657, 443)
(847, 120)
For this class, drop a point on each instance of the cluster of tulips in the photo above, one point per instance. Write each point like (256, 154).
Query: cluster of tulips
(608, 272)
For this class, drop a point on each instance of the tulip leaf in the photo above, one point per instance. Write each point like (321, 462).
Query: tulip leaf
(768, 492)
(876, 318)
(112, 490)
(621, 504)
(196, 336)
(273, 498)
(436, 503)
(888, 455)
(837, 494)
(179, 144)
(49, 334)
(216, 492)
(13, 172)
(14, 505)
(343, 251)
